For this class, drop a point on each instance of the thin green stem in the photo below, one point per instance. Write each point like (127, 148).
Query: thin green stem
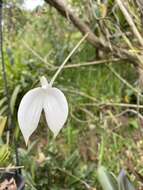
(67, 58)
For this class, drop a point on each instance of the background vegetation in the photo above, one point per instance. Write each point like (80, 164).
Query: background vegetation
(102, 85)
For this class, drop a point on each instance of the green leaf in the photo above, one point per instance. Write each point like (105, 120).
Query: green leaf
(2, 124)
(123, 181)
(107, 181)
(134, 123)
(2, 101)
(3, 106)
(3, 110)
(14, 97)
(72, 160)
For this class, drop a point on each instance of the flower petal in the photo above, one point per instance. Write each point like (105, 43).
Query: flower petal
(56, 109)
(29, 112)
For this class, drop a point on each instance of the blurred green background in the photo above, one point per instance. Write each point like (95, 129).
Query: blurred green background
(104, 124)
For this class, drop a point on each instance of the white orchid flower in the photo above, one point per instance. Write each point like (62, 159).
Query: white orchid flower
(47, 98)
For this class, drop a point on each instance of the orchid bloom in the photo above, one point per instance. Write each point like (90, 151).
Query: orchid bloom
(47, 98)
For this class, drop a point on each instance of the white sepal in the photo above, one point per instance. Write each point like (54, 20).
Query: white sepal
(46, 98)
(56, 109)
(29, 112)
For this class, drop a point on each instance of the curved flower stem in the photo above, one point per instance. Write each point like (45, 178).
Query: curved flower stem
(67, 58)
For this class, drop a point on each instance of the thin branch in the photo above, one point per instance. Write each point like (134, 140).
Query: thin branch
(115, 104)
(78, 92)
(130, 21)
(65, 11)
(37, 55)
(11, 168)
(130, 110)
(97, 42)
(92, 63)
(124, 81)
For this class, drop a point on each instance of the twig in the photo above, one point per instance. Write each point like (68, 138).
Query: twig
(77, 119)
(131, 47)
(98, 62)
(37, 55)
(80, 93)
(130, 110)
(97, 42)
(112, 104)
(130, 21)
(95, 101)
(11, 168)
(67, 12)
(124, 81)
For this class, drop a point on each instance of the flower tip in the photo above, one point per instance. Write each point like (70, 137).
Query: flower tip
(26, 141)
(55, 134)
